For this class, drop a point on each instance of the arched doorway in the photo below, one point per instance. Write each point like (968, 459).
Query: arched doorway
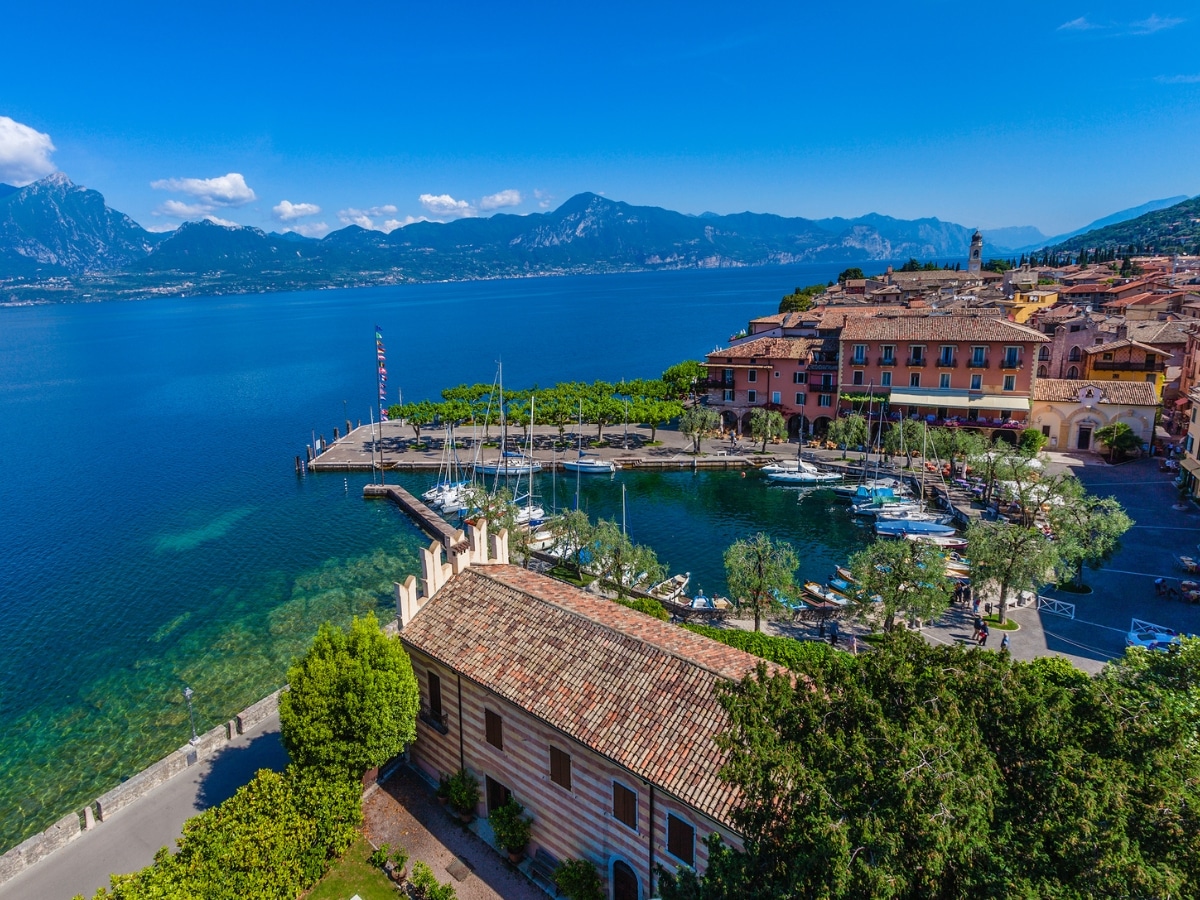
(1073, 372)
(745, 423)
(821, 426)
(798, 425)
(624, 882)
(1041, 371)
(1008, 435)
(729, 420)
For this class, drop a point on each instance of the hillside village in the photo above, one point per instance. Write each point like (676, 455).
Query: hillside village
(1062, 349)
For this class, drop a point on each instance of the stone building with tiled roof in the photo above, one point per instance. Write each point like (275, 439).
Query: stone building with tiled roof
(599, 720)
(1126, 360)
(1068, 411)
(945, 367)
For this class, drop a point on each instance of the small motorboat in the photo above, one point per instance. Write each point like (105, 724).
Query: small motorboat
(509, 464)
(671, 588)
(903, 528)
(590, 464)
(824, 594)
(947, 541)
(911, 514)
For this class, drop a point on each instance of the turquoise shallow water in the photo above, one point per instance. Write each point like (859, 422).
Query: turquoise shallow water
(153, 533)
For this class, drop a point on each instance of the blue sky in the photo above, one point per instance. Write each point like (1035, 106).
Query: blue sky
(1047, 114)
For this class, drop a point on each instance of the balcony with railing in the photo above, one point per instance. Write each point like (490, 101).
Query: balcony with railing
(887, 360)
(1010, 362)
(974, 363)
(947, 362)
(914, 361)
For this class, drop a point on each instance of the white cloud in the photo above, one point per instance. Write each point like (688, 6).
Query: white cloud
(501, 199)
(1155, 23)
(366, 218)
(1178, 79)
(286, 211)
(224, 190)
(1080, 24)
(310, 229)
(543, 198)
(443, 206)
(160, 227)
(219, 221)
(24, 153)
(177, 209)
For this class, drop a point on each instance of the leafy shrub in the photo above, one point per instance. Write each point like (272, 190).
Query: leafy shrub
(648, 606)
(578, 879)
(425, 886)
(271, 840)
(463, 791)
(511, 826)
(787, 652)
(380, 856)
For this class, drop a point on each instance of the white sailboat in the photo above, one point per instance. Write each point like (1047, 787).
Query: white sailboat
(588, 463)
(798, 471)
(509, 463)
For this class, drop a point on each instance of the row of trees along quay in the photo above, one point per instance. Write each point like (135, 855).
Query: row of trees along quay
(651, 402)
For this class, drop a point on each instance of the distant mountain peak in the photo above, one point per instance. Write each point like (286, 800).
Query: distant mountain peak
(57, 179)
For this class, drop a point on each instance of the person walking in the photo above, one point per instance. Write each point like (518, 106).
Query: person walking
(833, 633)
(978, 627)
(1004, 644)
(983, 635)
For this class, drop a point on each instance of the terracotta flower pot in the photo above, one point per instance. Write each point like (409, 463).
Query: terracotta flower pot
(515, 858)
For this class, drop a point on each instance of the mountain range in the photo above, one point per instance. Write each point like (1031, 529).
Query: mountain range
(61, 241)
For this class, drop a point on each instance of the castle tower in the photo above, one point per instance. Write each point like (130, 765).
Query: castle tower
(975, 260)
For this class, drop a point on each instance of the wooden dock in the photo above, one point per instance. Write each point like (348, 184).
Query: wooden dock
(428, 520)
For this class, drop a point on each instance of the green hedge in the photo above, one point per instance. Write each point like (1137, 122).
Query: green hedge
(787, 652)
(271, 840)
(648, 606)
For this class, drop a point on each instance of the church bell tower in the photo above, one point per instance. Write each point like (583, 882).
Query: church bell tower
(975, 260)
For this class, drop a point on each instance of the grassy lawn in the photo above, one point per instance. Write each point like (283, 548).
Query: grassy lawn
(993, 621)
(567, 574)
(351, 875)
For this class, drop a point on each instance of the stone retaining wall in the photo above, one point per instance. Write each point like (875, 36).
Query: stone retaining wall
(70, 826)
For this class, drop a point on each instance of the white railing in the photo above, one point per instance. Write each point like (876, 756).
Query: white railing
(1058, 607)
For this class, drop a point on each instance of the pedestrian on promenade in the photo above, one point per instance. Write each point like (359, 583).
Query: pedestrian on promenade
(1004, 644)
(833, 633)
(983, 635)
(978, 626)
(975, 606)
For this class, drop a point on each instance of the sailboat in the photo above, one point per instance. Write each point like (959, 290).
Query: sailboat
(510, 462)
(588, 463)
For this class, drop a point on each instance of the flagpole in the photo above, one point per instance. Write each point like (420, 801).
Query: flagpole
(381, 369)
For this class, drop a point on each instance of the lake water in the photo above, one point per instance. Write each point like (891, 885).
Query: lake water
(154, 534)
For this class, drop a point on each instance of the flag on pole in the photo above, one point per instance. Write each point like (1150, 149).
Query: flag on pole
(382, 374)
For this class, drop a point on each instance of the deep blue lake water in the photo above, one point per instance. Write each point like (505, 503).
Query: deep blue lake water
(153, 533)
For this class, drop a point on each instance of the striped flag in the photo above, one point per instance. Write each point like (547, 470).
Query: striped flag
(382, 374)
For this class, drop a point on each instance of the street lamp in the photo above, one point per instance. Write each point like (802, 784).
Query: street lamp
(187, 695)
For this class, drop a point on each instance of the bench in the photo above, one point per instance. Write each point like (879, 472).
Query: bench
(542, 868)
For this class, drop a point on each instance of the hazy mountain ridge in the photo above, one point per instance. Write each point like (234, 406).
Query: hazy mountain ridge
(53, 229)
(1173, 229)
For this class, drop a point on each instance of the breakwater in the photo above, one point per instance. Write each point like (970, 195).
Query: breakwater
(73, 825)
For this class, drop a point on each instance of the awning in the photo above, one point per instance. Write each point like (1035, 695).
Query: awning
(1181, 401)
(1190, 464)
(957, 400)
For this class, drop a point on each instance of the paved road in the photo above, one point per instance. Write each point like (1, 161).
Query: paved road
(128, 841)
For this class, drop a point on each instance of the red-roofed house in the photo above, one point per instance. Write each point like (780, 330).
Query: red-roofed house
(599, 720)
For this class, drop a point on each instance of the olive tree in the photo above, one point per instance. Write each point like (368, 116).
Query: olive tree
(759, 571)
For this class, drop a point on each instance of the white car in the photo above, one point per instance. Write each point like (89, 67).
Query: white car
(1151, 637)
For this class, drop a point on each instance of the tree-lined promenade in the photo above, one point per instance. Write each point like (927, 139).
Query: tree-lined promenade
(651, 402)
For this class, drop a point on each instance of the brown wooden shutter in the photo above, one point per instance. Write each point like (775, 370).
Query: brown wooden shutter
(560, 768)
(681, 840)
(624, 805)
(435, 696)
(493, 729)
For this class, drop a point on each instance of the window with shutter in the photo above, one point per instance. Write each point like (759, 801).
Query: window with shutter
(624, 805)
(681, 840)
(560, 768)
(493, 729)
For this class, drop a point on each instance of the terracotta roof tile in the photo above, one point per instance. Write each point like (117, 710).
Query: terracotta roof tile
(633, 689)
(1117, 393)
(1123, 343)
(938, 327)
(769, 348)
